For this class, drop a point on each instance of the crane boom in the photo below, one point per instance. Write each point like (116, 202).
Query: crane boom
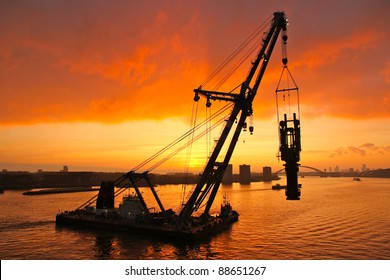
(211, 177)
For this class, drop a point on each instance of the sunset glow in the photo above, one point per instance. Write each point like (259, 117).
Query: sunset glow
(102, 86)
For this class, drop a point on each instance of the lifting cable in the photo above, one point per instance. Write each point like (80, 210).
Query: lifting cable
(287, 76)
(235, 53)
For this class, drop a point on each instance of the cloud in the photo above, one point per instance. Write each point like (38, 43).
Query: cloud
(136, 59)
(386, 72)
(347, 151)
(334, 50)
(110, 67)
(362, 150)
(375, 149)
(128, 69)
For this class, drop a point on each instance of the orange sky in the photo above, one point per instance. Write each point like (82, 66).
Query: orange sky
(103, 85)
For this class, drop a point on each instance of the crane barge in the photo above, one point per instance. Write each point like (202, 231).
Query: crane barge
(133, 214)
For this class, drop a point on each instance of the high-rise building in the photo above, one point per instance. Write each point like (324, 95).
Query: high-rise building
(228, 175)
(267, 174)
(245, 174)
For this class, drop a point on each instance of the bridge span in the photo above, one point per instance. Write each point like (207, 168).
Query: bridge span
(320, 172)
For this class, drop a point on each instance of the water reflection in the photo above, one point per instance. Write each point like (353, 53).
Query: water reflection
(104, 247)
(124, 246)
(336, 219)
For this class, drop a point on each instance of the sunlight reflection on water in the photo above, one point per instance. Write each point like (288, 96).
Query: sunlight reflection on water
(335, 219)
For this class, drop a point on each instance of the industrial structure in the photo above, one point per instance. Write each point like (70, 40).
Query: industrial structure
(194, 219)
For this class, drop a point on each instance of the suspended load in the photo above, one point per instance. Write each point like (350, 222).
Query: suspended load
(288, 116)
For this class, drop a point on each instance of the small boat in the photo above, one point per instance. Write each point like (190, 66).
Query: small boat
(227, 213)
(278, 187)
(356, 179)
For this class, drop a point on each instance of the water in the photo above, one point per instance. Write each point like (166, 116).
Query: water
(336, 218)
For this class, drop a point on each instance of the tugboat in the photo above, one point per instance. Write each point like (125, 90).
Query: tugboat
(278, 187)
(227, 212)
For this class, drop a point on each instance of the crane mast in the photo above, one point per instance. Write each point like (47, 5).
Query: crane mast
(211, 177)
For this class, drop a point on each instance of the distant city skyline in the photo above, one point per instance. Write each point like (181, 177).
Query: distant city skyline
(235, 169)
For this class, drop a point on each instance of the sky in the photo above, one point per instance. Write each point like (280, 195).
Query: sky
(103, 85)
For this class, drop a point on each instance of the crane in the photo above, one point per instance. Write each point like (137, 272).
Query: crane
(211, 177)
(135, 215)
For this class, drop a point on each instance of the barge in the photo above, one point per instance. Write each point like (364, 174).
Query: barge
(133, 216)
(154, 227)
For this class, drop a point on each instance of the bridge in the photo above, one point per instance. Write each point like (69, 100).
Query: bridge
(320, 172)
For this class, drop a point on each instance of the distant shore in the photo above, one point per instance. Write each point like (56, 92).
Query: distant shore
(71, 180)
(60, 190)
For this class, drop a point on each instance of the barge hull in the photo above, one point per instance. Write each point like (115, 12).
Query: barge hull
(167, 231)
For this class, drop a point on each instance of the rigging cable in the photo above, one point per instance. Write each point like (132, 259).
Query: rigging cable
(285, 78)
(188, 143)
(194, 115)
(181, 138)
(238, 50)
(234, 67)
(208, 135)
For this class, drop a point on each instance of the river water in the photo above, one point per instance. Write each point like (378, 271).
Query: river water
(336, 218)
